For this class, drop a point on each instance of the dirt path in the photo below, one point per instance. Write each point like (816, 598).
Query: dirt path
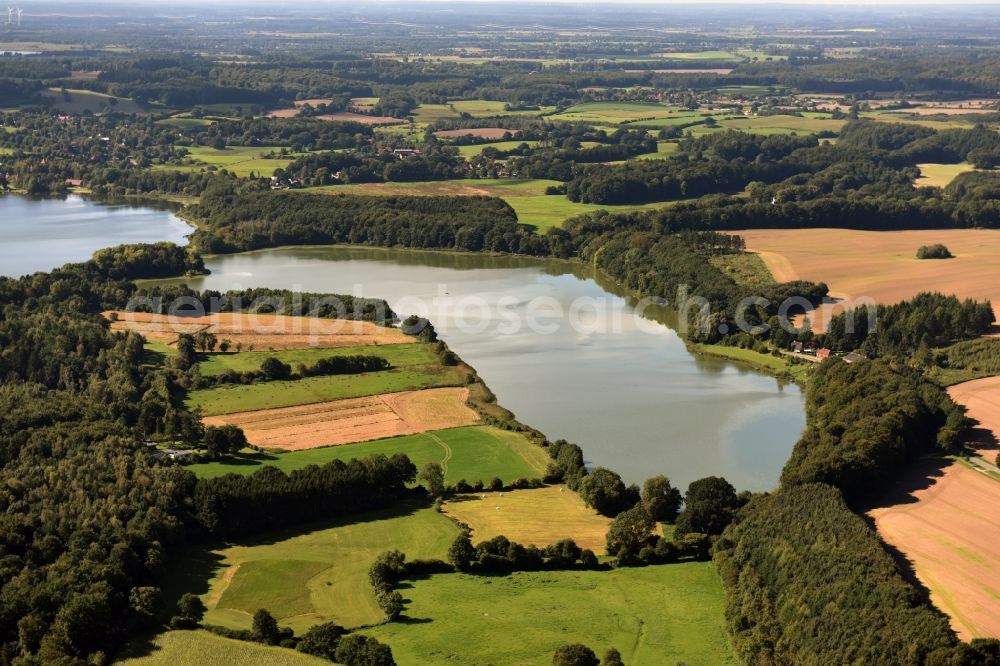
(949, 530)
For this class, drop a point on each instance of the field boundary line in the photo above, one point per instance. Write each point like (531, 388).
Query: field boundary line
(447, 450)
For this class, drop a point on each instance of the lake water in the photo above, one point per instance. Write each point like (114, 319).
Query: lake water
(566, 355)
(42, 234)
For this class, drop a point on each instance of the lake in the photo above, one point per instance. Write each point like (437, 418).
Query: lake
(559, 346)
(566, 354)
(42, 234)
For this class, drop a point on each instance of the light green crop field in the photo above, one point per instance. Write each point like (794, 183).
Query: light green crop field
(656, 615)
(783, 124)
(477, 149)
(934, 122)
(940, 175)
(663, 149)
(526, 196)
(482, 108)
(185, 121)
(702, 55)
(398, 355)
(615, 112)
(473, 453)
(270, 395)
(81, 101)
(305, 577)
(428, 113)
(180, 648)
(750, 54)
(240, 160)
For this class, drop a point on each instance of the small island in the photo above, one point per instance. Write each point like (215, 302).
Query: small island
(936, 251)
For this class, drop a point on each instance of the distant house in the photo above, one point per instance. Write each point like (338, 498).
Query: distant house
(854, 357)
(822, 353)
(797, 347)
(73, 182)
(173, 454)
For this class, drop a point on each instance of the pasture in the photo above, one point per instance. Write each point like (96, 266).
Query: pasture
(477, 149)
(806, 124)
(83, 101)
(319, 574)
(947, 528)
(526, 196)
(537, 516)
(881, 265)
(719, 56)
(614, 113)
(173, 648)
(260, 331)
(239, 160)
(399, 355)
(235, 398)
(479, 132)
(483, 108)
(940, 175)
(472, 453)
(353, 419)
(656, 615)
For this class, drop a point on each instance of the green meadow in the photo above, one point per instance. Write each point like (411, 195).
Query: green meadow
(667, 614)
(473, 453)
(614, 113)
(179, 648)
(477, 149)
(83, 101)
(270, 395)
(319, 574)
(399, 355)
(240, 160)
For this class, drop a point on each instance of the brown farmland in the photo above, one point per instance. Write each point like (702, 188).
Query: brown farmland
(949, 531)
(981, 398)
(479, 133)
(262, 332)
(881, 265)
(353, 419)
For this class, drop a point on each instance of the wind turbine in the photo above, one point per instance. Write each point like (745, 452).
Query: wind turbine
(19, 12)
(10, 15)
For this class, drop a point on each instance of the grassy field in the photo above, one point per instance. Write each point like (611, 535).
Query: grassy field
(472, 453)
(616, 112)
(177, 648)
(269, 395)
(82, 101)
(663, 149)
(428, 113)
(477, 149)
(747, 269)
(400, 355)
(774, 365)
(539, 516)
(784, 124)
(527, 197)
(305, 577)
(718, 56)
(240, 160)
(482, 108)
(940, 175)
(656, 615)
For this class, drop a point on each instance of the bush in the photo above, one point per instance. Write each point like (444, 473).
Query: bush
(936, 251)
(360, 650)
(575, 654)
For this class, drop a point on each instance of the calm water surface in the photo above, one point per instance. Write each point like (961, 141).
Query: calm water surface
(42, 234)
(621, 385)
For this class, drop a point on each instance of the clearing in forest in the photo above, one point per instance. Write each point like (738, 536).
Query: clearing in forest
(353, 420)
(949, 530)
(665, 614)
(537, 516)
(881, 265)
(315, 574)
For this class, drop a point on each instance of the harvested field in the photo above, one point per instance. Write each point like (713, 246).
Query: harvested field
(260, 331)
(881, 265)
(940, 175)
(353, 419)
(347, 116)
(982, 400)
(948, 530)
(538, 517)
(481, 132)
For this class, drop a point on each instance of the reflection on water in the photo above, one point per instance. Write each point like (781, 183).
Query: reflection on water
(42, 234)
(621, 385)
